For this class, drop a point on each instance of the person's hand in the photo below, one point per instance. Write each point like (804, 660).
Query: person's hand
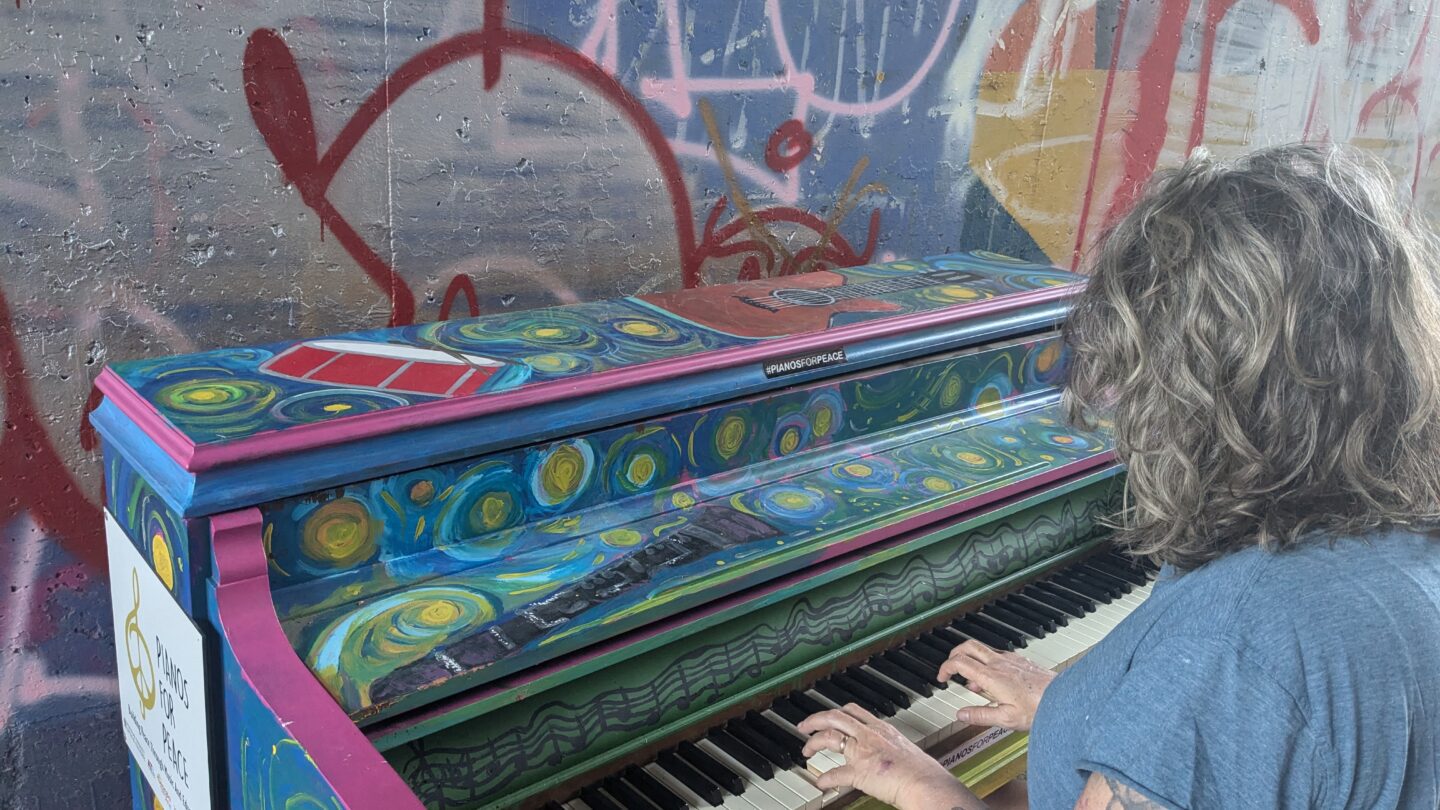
(1008, 679)
(880, 761)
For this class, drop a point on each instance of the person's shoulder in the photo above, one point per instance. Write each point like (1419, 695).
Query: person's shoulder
(1325, 583)
(1300, 599)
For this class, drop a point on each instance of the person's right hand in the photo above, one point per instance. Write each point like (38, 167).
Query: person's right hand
(1008, 679)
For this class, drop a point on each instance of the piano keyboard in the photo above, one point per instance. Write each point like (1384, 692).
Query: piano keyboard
(754, 762)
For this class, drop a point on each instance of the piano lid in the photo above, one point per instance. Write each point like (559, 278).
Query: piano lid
(228, 405)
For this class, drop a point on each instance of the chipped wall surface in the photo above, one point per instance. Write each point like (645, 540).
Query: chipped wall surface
(178, 176)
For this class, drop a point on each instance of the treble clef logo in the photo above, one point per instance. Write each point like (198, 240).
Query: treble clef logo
(137, 652)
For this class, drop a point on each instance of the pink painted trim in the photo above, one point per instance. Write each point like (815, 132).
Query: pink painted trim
(379, 423)
(165, 435)
(355, 771)
(897, 532)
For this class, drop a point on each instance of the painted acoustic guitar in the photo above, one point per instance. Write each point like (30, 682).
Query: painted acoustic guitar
(793, 304)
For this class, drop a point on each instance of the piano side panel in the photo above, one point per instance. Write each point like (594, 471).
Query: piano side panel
(287, 743)
(519, 749)
(156, 530)
(142, 795)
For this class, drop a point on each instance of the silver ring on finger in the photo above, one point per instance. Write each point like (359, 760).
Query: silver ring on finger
(844, 740)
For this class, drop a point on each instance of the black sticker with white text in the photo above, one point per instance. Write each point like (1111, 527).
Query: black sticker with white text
(804, 362)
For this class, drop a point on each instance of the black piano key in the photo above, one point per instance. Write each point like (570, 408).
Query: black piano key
(835, 692)
(598, 800)
(659, 795)
(934, 644)
(879, 687)
(553, 806)
(925, 653)
(1060, 617)
(867, 697)
(1067, 598)
(777, 755)
(1113, 586)
(983, 635)
(1096, 595)
(792, 744)
(809, 704)
(689, 777)
(788, 710)
(1143, 563)
(915, 666)
(904, 677)
(623, 794)
(947, 640)
(1061, 599)
(741, 753)
(986, 618)
(1123, 583)
(713, 770)
(1047, 623)
(1105, 566)
(949, 637)
(1012, 619)
(1124, 561)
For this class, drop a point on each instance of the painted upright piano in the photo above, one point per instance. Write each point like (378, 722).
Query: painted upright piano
(601, 555)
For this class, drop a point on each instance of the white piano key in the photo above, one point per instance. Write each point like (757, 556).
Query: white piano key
(776, 792)
(800, 786)
(823, 760)
(750, 800)
(916, 716)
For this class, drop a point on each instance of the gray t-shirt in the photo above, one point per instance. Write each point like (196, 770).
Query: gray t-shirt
(1309, 678)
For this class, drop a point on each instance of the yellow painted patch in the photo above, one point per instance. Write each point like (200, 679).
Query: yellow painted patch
(988, 402)
(339, 533)
(439, 613)
(621, 538)
(160, 558)
(789, 441)
(934, 483)
(640, 328)
(1033, 151)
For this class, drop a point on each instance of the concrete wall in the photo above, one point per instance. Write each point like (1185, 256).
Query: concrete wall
(607, 149)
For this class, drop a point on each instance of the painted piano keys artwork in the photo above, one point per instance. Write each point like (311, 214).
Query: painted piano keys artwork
(449, 564)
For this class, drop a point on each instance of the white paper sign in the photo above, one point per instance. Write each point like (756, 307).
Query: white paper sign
(161, 664)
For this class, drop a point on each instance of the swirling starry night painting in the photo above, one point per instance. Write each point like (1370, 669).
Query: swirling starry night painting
(389, 586)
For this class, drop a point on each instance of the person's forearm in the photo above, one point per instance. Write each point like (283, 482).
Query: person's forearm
(951, 794)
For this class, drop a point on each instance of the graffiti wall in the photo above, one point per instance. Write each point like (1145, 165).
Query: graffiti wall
(180, 176)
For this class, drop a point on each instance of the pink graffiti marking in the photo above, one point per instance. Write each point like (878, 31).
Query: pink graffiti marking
(678, 90)
(281, 110)
(1115, 50)
(25, 680)
(1215, 11)
(1404, 88)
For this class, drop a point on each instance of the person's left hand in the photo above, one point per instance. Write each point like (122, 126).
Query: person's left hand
(880, 761)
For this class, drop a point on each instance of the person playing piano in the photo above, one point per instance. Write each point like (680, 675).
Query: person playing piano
(1265, 337)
